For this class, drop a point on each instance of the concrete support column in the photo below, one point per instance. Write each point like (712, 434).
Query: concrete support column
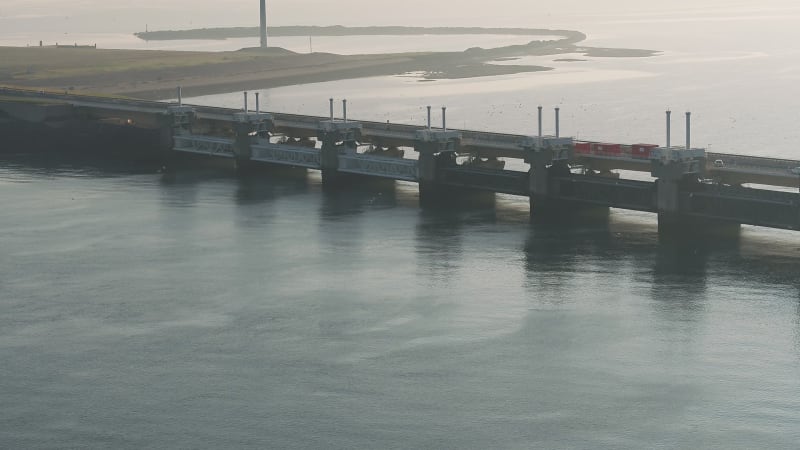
(177, 121)
(678, 173)
(433, 192)
(547, 157)
(672, 179)
(329, 160)
(338, 138)
(427, 178)
(248, 130)
(166, 139)
(550, 199)
(242, 146)
(675, 219)
(667, 191)
(670, 220)
(166, 130)
(437, 149)
(539, 182)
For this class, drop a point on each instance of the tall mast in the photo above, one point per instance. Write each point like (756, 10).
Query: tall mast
(263, 24)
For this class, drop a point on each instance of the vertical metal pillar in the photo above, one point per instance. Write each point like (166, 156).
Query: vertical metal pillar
(263, 24)
(669, 125)
(540, 125)
(688, 130)
(429, 117)
(558, 123)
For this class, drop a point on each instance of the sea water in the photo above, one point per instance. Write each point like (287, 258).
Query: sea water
(194, 308)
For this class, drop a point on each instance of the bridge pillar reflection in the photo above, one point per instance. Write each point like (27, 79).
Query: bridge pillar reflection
(338, 138)
(437, 149)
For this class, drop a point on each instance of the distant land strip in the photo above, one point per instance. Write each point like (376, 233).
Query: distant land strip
(153, 74)
(569, 36)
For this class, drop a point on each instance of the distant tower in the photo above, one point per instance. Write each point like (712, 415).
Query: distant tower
(263, 24)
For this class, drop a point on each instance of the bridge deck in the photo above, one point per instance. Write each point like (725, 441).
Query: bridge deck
(730, 168)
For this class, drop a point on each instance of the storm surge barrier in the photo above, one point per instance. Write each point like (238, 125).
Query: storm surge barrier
(690, 190)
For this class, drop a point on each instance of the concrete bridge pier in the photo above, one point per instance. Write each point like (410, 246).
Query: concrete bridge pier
(338, 138)
(678, 171)
(166, 140)
(671, 222)
(176, 121)
(248, 129)
(242, 147)
(437, 150)
(674, 200)
(674, 175)
(548, 158)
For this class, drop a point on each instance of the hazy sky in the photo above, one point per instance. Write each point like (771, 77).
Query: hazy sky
(99, 15)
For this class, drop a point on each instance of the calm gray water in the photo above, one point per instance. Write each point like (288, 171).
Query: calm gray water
(197, 309)
(200, 310)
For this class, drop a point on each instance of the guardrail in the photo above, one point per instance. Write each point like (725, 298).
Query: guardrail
(380, 166)
(724, 161)
(204, 145)
(287, 155)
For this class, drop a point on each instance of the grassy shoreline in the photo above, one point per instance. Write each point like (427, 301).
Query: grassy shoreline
(150, 74)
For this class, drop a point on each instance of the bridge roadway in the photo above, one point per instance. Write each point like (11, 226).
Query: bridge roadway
(722, 200)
